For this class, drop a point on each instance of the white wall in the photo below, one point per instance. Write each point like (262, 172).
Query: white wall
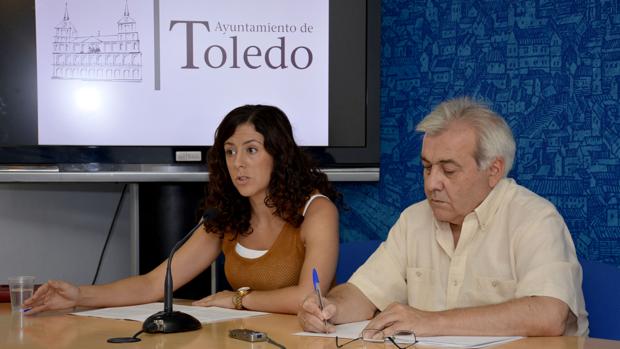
(57, 230)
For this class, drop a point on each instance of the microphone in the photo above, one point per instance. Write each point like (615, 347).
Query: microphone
(168, 321)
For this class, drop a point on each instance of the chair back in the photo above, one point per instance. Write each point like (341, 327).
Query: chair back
(601, 290)
(352, 255)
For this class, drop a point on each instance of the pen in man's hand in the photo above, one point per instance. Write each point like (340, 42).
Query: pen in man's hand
(317, 289)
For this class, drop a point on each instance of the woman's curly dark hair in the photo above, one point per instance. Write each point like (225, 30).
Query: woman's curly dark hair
(295, 176)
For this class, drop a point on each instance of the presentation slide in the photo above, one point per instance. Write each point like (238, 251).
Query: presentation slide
(165, 72)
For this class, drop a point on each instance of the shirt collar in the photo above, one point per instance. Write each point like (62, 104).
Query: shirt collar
(489, 206)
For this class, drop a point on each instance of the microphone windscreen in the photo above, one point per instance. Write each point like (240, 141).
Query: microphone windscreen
(210, 213)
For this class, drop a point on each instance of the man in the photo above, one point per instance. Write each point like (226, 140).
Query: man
(481, 255)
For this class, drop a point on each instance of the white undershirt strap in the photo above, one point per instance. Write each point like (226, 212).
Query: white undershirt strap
(310, 201)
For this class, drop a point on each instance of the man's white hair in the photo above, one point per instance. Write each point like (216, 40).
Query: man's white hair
(494, 137)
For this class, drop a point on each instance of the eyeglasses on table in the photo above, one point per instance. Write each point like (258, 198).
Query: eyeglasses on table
(401, 339)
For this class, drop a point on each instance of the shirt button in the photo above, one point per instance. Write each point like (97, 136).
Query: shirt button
(418, 273)
(455, 283)
(494, 283)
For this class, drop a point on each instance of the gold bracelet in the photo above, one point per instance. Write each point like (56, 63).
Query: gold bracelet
(237, 298)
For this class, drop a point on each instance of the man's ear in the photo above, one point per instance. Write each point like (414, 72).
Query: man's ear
(496, 171)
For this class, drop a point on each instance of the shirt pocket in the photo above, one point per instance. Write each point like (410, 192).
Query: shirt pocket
(421, 291)
(491, 290)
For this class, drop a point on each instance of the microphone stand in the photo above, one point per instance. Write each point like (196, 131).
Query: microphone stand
(169, 321)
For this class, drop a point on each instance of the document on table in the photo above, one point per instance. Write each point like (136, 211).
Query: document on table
(353, 330)
(142, 311)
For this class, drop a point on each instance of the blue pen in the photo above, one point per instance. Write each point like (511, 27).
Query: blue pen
(317, 289)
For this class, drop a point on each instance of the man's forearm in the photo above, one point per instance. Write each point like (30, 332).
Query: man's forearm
(528, 316)
(351, 304)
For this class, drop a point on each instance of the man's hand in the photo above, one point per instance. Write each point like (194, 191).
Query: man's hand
(400, 317)
(312, 319)
(525, 316)
(53, 295)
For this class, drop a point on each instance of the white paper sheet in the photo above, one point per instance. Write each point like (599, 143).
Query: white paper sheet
(353, 330)
(143, 311)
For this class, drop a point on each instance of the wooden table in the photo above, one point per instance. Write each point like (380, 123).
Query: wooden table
(59, 330)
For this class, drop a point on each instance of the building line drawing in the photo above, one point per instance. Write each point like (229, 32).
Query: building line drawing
(115, 57)
(551, 68)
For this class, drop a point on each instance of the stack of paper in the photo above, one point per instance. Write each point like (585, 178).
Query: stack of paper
(141, 312)
(354, 329)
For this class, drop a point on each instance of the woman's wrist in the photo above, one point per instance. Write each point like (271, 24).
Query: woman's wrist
(240, 296)
(80, 297)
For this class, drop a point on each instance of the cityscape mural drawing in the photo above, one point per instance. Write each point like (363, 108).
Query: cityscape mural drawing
(550, 67)
(100, 57)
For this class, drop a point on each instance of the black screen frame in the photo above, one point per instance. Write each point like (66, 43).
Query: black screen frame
(364, 153)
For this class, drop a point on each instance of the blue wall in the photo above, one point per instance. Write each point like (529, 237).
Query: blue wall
(550, 67)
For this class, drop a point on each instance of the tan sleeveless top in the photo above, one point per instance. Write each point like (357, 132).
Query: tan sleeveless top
(278, 268)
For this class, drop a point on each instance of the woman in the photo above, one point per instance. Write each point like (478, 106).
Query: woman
(276, 222)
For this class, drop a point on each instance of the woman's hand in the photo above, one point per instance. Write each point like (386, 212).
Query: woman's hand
(221, 299)
(53, 295)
